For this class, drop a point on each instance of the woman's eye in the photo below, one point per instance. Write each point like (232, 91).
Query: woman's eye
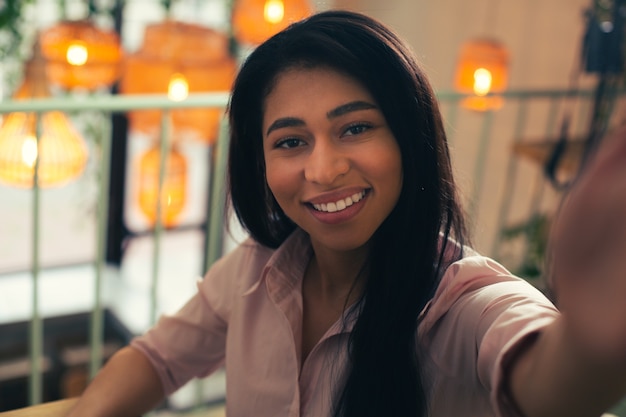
(357, 129)
(289, 143)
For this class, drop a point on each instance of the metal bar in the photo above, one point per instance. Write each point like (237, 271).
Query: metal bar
(522, 94)
(479, 165)
(511, 175)
(215, 224)
(113, 103)
(158, 226)
(36, 325)
(123, 102)
(217, 185)
(539, 188)
(97, 316)
(450, 120)
(209, 239)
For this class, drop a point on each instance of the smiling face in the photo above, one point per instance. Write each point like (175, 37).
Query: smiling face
(331, 161)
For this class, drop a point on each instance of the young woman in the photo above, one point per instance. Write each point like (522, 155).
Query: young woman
(357, 293)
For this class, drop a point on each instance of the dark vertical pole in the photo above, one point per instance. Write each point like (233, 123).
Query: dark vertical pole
(604, 56)
(117, 230)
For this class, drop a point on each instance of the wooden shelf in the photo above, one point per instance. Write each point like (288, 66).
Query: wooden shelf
(539, 151)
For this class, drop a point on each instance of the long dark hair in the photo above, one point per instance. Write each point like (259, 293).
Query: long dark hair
(407, 251)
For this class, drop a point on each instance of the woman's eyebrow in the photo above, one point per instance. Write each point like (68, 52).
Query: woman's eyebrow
(349, 107)
(336, 112)
(284, 122)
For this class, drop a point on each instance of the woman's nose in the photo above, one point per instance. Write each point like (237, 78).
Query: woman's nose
(325, 164)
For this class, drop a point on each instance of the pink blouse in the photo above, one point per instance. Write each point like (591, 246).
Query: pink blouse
(247, 316)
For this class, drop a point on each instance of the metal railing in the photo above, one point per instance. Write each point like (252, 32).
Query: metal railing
(467, 130)
(110, 104)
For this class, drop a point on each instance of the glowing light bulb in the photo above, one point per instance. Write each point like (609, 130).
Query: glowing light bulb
(77, 54)
(178, 88)
(274, 11)
(482, 81)
(29, 151)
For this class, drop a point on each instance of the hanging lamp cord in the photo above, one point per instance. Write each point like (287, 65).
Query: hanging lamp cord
(610, 79)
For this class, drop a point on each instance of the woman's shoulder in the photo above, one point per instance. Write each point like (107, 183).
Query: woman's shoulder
(478, 282)
(475, 271)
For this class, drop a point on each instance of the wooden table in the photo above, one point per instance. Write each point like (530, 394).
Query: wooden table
(50, 409)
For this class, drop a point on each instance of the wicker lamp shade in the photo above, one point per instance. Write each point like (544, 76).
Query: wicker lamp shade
(79, 54)
(178, 58)
(254, 21)
(61, 151)
(174, 188)
(482, 68)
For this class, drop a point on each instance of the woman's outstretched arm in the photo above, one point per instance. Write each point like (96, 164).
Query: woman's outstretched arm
(577, 366)
(127, 385)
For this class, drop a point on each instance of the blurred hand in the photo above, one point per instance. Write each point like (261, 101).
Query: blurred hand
(588, 244)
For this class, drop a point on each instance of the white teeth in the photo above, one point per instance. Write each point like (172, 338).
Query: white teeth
(341, 204)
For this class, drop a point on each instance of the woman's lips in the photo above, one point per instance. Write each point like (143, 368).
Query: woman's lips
(339, 211)
(339, 205)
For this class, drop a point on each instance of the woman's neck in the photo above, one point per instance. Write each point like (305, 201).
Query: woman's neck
(332, 283)
(336, 275)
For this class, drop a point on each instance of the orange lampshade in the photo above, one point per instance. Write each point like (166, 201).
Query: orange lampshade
(79, 54)
(482, 69)
(178, 58)
(254, 21)
(61, 150)
(174, 189)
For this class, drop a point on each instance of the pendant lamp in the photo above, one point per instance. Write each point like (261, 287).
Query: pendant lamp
(61, 151)
(254, 21)
(79, 54)
(178, 58)
(482, 70)
(174, 188)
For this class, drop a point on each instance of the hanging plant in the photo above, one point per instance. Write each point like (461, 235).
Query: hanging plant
(535, 231)
(11, 19)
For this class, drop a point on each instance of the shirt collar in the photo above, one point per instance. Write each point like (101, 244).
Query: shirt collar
(287, 264)
(284, 271)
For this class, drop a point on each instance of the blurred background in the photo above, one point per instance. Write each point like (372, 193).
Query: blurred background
(112, 162)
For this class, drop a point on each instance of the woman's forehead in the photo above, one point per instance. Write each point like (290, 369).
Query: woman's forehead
(301, 90)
